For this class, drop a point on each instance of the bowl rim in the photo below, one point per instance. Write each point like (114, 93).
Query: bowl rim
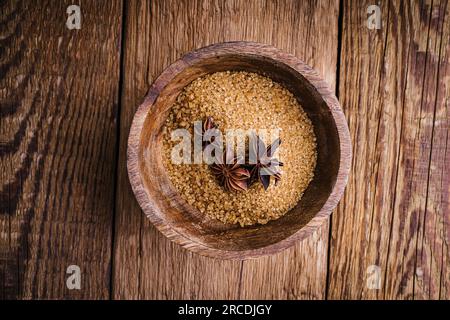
(249, 48)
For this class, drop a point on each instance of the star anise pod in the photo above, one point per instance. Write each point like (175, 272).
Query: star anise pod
(207, 125)
(232, 176)
(265, 166)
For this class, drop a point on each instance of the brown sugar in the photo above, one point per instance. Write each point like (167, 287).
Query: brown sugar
(243, 100)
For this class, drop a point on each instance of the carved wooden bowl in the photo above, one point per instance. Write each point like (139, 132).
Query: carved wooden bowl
(185, 225)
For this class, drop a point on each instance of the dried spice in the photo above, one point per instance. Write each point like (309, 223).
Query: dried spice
(266, 166)
(232, 176)
(208, 124)
(262, 170)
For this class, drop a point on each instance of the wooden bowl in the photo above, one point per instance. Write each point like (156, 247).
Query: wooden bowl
(185, 225)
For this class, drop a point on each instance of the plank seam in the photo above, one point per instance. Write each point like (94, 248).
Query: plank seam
(336, 90)
(117, 147)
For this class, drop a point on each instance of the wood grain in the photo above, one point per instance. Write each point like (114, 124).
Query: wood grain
(58, 113)
(59, 92)
(394, 92)
(146, 264)
(432, 276)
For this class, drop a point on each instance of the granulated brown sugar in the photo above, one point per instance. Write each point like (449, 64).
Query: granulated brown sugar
(243, 100)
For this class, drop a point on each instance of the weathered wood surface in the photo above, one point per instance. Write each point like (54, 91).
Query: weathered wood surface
(146, 264)
(59, 96)
(58, 108)
(394, 89)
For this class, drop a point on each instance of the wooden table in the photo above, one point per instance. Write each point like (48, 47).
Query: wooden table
(67, 98)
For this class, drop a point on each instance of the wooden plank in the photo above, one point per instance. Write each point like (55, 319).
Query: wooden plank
(388, 92)
(298, 273)
(301, 271)
(146, 265)
(432, 277)
(58, 100)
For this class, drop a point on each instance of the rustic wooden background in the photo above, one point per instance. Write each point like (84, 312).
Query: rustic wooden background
(67, 98)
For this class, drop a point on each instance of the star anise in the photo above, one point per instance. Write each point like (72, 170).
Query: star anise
(266, 165)
(207, 125)
(232, 176)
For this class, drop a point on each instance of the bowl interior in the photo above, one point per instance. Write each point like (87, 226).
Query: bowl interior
(187, 221)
